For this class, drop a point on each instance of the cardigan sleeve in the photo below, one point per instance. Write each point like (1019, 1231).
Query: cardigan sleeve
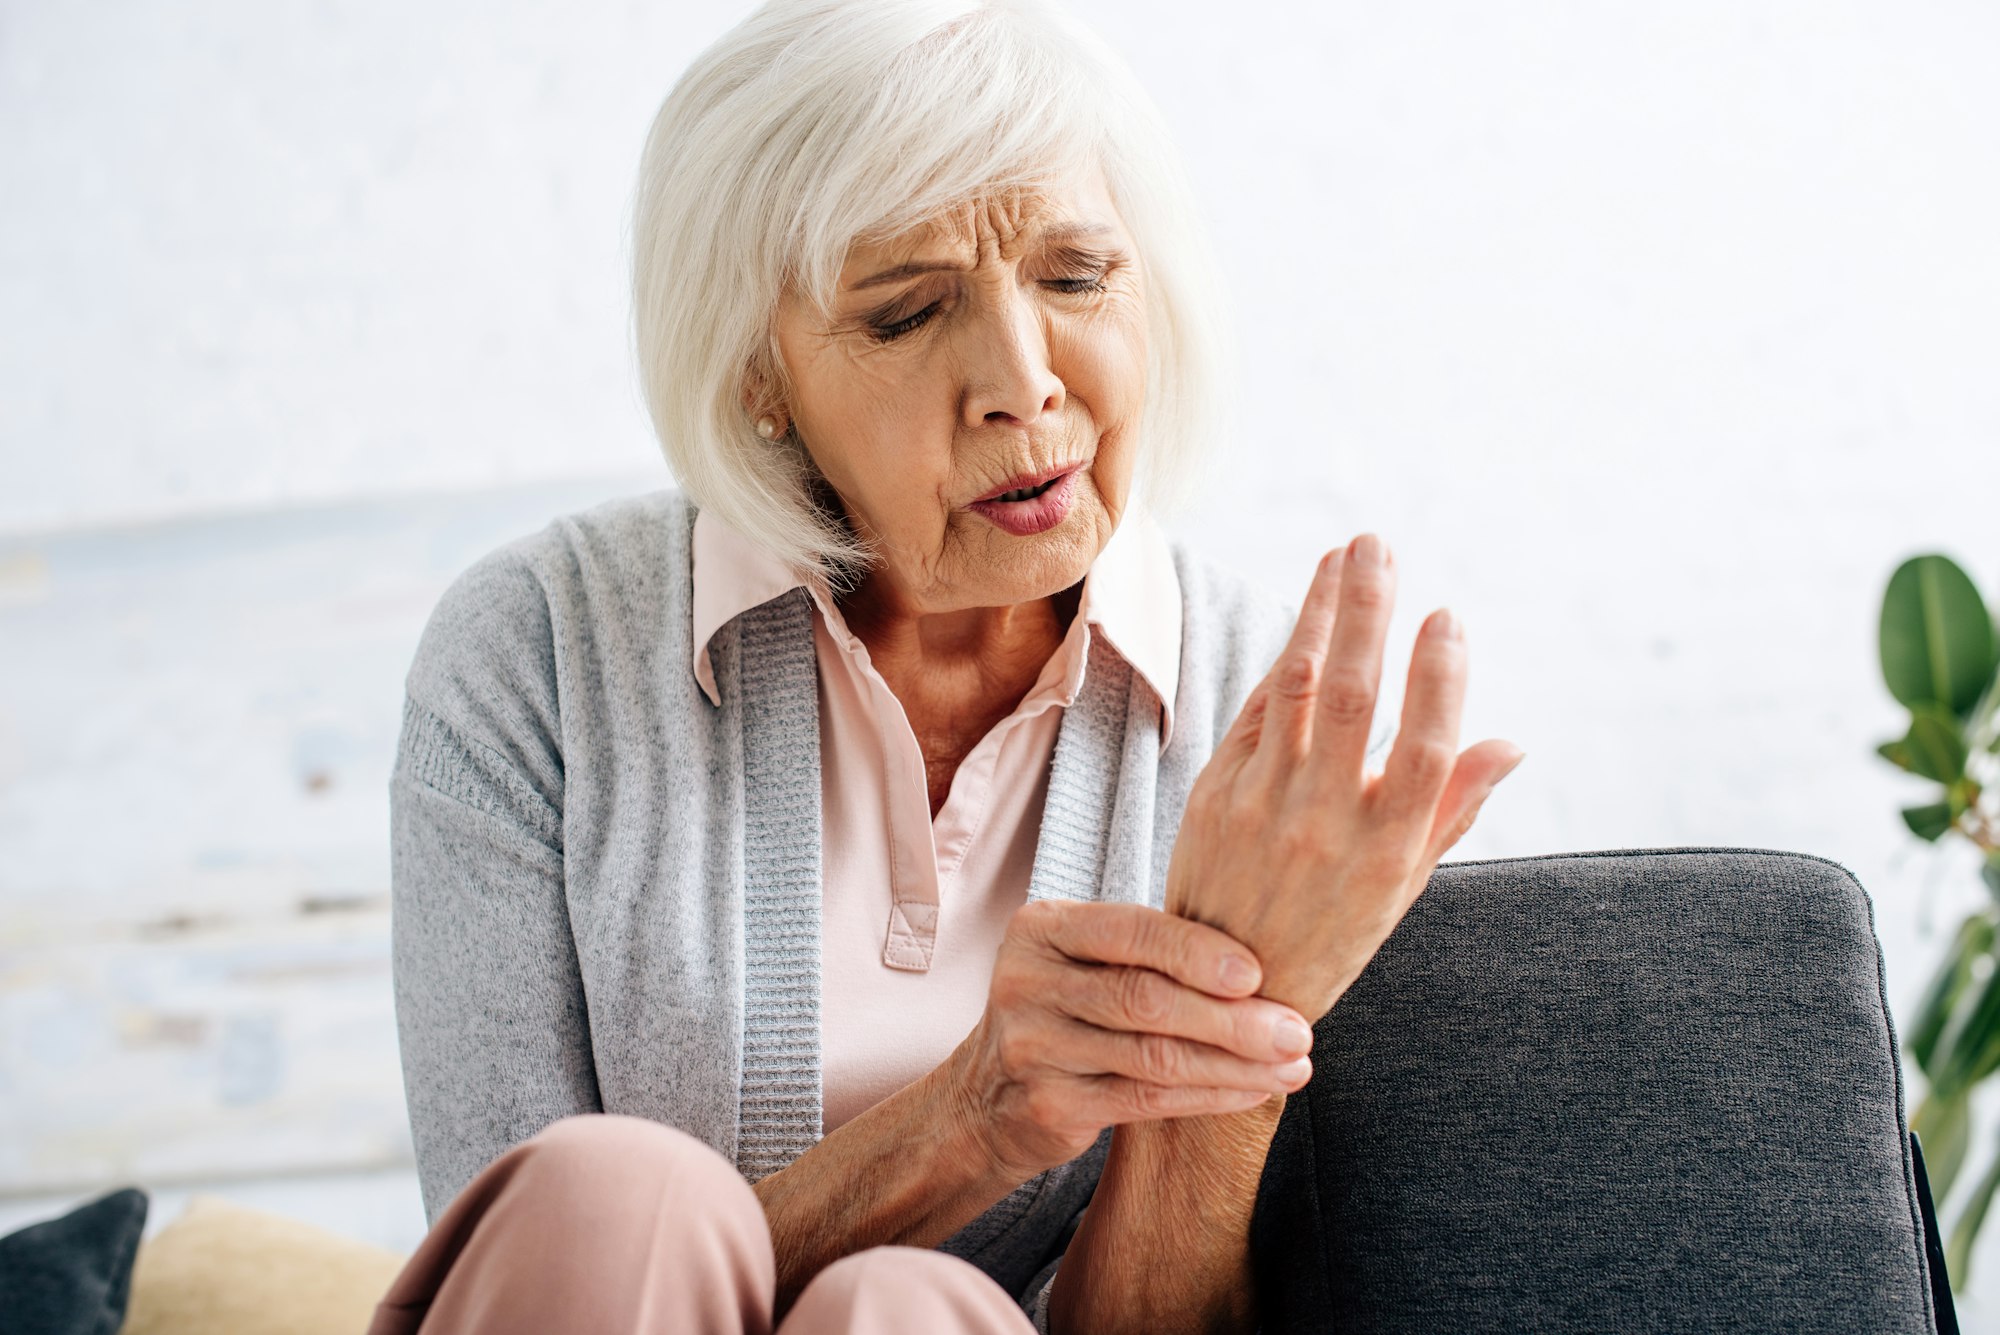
(1035, 1297)
(489, 999)
(1037, 1303)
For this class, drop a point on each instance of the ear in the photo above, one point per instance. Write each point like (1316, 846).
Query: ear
(761, 395)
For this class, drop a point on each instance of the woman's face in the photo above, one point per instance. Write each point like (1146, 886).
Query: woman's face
(1000, 347)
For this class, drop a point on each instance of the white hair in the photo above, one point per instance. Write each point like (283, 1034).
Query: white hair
(816, 123)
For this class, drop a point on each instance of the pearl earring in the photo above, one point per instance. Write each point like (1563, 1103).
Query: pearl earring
(767, 427)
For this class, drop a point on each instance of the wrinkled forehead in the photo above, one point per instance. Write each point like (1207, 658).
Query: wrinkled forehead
(1008, 220)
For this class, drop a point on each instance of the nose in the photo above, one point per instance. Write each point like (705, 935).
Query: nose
(1008, 376)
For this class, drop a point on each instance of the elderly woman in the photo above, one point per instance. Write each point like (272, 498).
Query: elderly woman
(815, 887)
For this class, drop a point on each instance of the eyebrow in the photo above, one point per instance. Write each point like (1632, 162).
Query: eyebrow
(1058, 234)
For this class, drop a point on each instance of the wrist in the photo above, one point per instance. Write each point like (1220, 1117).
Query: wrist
(1312, 996)
(967, 1123)
(1241, 1138)
(1165, 1243)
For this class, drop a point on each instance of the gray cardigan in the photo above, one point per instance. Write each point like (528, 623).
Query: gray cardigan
(606, 889)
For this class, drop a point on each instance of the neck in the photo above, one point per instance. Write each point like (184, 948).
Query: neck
(971, 663)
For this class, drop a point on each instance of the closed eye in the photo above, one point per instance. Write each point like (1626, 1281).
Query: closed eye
(895, 329)
(888, 331)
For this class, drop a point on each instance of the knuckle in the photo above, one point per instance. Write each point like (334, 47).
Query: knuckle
(1150, 1100)
(1295, 840)
(1365, 592)
(1037, 916)
(1015, 1052)
(1252, 714)
(1142, 996)
(1157, 938)
(1348, 697)
(1431, 761)
(1208, 799)
(1044, 1108)
(1179, 951)
(1295, 675)
(1247, 809)
(1161, 1060)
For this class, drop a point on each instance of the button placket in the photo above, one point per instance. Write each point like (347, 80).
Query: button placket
(910, 940)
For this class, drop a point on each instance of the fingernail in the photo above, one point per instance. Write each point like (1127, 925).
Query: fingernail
(1238, 973)
(1511, 765)
(1448, 625)
(1369, 550)
(1293, 1072)
(1289, 1035)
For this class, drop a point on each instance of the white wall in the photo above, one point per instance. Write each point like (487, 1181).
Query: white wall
(1652, 336)
(259, 253)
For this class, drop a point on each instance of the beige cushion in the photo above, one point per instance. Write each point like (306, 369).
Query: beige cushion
(223, 1269)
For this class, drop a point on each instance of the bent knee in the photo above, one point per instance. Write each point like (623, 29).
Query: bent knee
(587, 1135)
(604, 1156)
(905, 1278)
(920, 1263)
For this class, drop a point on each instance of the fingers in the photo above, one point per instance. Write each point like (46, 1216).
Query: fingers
(1157, 1059)
(1353, 674)
(1426, 749)
(1294, 678)
(1135, 1000)
(1240, 742)
(1128, 1100)
(1472, 781)
(1190, 953)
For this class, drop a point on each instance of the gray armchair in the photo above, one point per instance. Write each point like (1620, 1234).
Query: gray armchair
(1645, 1090)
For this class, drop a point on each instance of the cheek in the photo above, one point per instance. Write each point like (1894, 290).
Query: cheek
(1105, 356)
(872, 426)
(1113, 364)
(898, 419)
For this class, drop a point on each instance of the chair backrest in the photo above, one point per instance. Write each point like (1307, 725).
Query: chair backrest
(1639, 1090)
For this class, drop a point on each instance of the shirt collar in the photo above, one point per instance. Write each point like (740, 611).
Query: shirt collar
(1132, 595)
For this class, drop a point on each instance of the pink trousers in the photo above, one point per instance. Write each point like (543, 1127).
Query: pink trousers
(606, 1223)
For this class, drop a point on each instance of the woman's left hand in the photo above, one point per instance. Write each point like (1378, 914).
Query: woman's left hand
(1287, 844)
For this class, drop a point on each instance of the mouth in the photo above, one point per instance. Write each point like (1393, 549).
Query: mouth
(1032, 504)
(1028, 486)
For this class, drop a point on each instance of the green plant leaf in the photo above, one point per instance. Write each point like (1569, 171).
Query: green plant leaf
(1981, 721)
(1942, 1125)
(1949, 986)
(1935, 745)
(1938, 642)
(1969, 1048)
(1896, 754)
(1960, 796)
(1958, 1252)
(1989, 871)
(1928, 822)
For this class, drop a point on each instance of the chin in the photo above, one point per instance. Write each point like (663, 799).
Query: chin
(1048, 563)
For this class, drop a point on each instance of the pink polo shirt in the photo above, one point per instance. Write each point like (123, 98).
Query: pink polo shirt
(913, 908)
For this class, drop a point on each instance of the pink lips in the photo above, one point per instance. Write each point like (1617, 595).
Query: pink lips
(1037, 514)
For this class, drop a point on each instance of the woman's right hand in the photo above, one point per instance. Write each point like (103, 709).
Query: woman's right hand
(1100, 1014)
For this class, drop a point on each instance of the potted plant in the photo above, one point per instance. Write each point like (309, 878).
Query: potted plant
(1941, 660)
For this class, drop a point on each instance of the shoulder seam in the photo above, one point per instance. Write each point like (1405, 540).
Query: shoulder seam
(431, 752)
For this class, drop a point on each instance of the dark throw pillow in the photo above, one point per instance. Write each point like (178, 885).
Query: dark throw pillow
(72, 1276)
